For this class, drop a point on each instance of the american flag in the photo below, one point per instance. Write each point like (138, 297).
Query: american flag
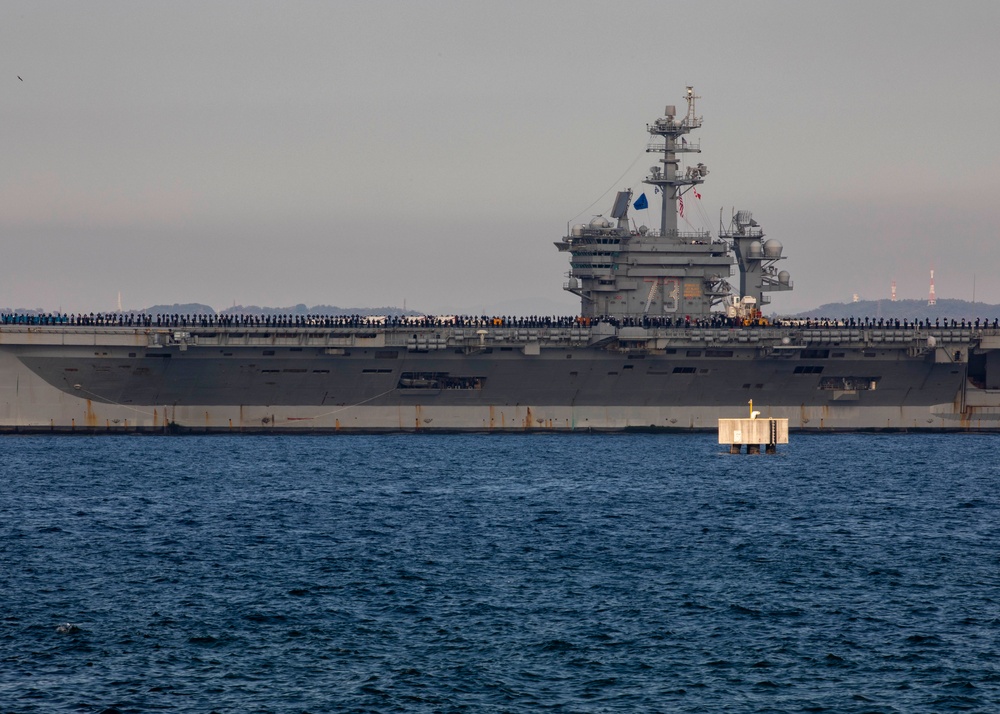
(680, 205)
(695, 192)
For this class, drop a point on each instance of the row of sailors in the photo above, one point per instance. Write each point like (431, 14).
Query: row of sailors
(904, 324)
(132, 319)
(721, 321)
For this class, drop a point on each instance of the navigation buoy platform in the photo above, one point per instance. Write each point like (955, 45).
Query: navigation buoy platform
(753, 432)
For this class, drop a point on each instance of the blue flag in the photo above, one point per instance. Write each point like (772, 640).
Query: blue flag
(641, 203)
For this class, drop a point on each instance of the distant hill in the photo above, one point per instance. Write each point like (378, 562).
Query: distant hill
(900, 309)
(22, 311)
(905, 310)
(188, 308)
(196, 308)
(302, 309)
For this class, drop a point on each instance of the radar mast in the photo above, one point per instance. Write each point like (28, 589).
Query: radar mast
(669, 133)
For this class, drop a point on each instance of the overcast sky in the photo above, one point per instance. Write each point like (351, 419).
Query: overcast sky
(371, 153)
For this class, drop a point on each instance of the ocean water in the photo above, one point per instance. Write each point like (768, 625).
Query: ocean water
(520, 573)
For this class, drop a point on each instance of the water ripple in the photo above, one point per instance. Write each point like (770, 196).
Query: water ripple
(855, 573)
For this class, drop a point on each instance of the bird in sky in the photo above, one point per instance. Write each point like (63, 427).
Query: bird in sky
(19, 77)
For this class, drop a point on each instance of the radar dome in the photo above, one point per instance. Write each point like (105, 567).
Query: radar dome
(578, 230)
(573, 284)
(772, 248)
(600, 222)
(755, 250)
(784, 278)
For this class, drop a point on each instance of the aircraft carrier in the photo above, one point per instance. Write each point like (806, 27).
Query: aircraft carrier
(663, 341)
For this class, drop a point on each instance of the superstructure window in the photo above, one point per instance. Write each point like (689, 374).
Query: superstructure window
(808, 369)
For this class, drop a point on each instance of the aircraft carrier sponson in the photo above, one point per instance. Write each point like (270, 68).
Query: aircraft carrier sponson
(663, 341)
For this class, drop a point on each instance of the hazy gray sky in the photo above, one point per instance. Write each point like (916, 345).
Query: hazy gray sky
(367, 153)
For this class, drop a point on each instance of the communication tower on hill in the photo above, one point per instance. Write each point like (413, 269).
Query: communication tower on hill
(893, 297)
(932, 299)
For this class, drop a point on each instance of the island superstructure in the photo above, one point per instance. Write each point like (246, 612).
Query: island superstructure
(622, 271)
(664, 341)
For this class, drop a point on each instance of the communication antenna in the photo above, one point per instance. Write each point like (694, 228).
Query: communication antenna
(893, 297)
(932, 298)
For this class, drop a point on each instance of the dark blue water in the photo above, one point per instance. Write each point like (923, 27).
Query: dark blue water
(856, 573)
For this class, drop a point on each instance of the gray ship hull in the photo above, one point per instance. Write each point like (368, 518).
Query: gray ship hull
(100, 379)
